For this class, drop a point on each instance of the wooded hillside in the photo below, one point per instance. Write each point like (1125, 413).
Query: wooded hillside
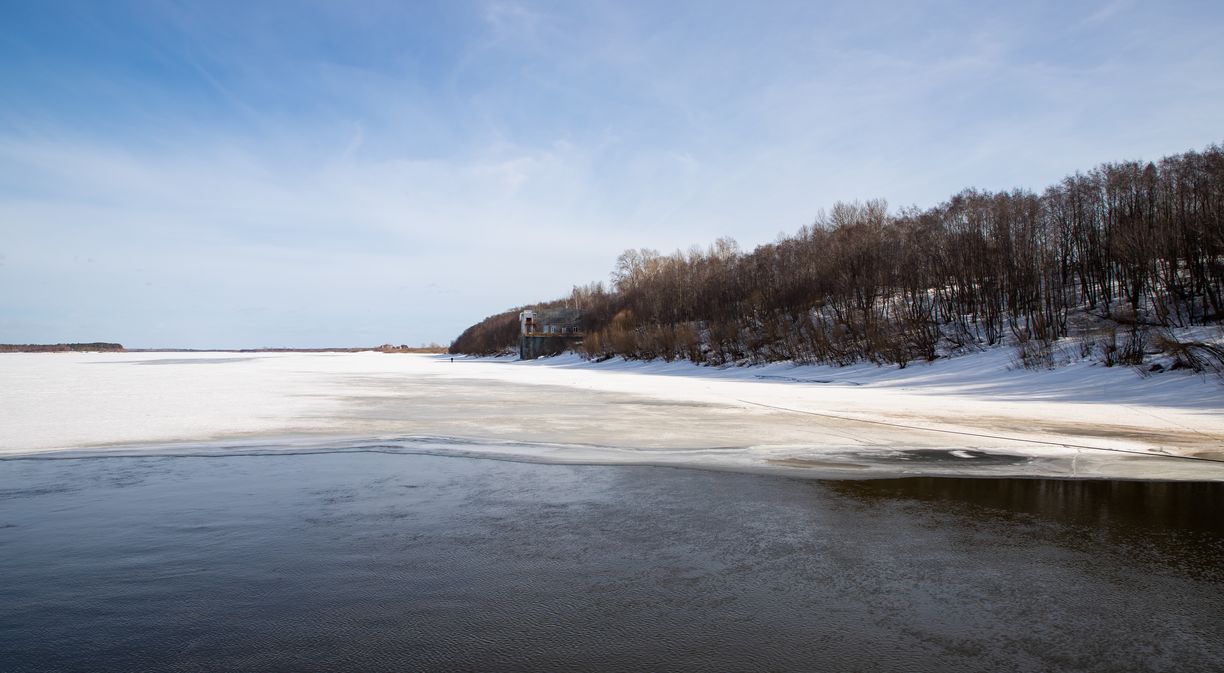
(1108, 255)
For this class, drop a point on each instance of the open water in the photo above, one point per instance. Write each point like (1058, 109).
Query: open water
(374, 562)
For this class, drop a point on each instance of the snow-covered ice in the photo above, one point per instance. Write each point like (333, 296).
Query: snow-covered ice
(970, 415)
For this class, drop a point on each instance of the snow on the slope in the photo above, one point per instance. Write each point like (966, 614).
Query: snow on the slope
(968, 415)
(983, 391)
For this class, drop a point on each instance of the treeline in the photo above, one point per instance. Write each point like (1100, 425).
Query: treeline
(59, 348)
(1108, 254)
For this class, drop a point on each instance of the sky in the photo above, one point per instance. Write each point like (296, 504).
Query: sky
(234, 174)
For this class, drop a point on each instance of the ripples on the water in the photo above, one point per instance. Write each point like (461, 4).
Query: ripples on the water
(395, 562)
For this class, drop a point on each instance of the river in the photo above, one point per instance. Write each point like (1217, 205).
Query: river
(376, 562)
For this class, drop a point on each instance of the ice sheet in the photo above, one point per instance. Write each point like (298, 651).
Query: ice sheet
(971, 415)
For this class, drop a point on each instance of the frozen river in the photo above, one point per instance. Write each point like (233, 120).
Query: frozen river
(972, 415)
(255, 512)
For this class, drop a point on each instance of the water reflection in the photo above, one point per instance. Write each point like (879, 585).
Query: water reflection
(1131, 505)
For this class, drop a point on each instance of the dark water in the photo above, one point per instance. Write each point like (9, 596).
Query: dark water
(416, 563)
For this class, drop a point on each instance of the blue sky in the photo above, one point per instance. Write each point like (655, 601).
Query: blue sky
(234, 174)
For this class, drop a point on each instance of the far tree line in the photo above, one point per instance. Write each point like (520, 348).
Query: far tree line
(1107, 256)
(91, 347)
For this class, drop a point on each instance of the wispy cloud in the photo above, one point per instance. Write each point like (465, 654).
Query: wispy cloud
(314, 174)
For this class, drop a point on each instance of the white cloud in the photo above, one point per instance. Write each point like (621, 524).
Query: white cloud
(445, 177)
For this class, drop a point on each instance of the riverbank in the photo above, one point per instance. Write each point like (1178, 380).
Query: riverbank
(969, 416)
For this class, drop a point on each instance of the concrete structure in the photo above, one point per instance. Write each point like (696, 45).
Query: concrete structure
(548, 331)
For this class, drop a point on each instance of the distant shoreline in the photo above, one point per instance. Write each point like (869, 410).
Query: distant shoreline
(102, 347)
(91, 347)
